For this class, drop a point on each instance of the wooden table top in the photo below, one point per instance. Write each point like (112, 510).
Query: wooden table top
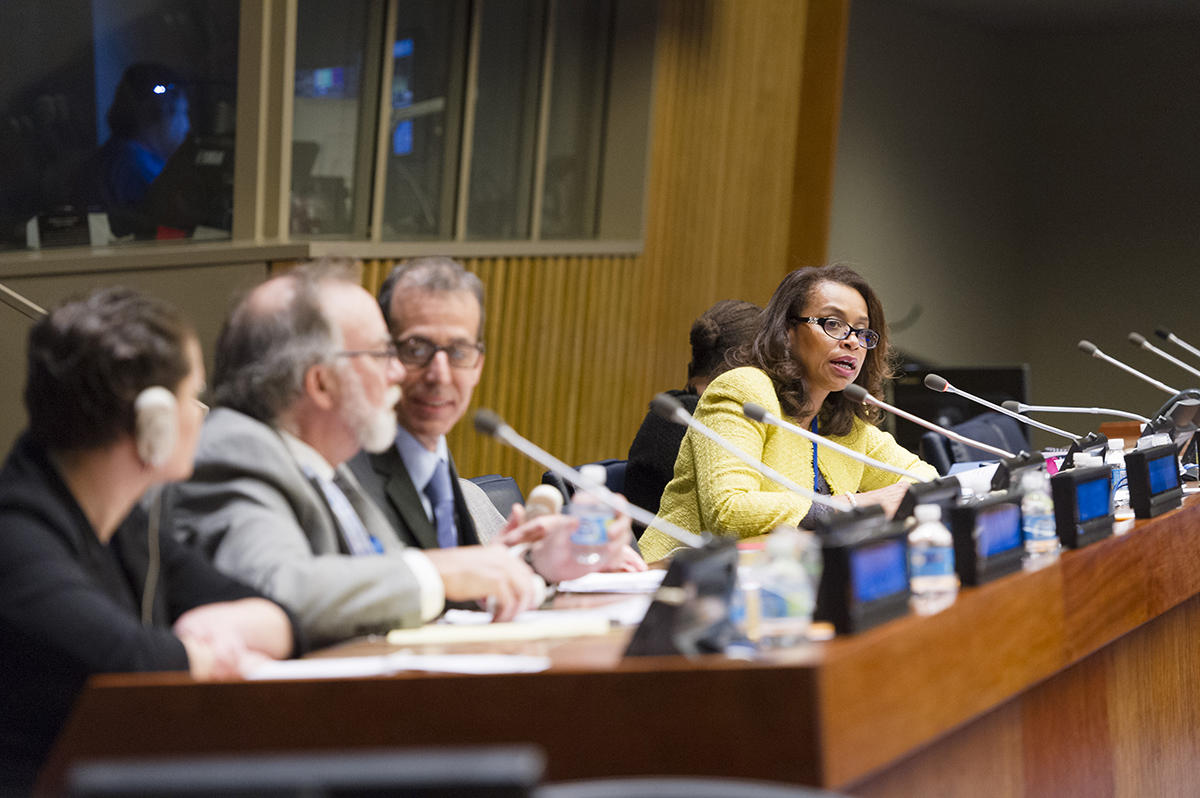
(824, 713)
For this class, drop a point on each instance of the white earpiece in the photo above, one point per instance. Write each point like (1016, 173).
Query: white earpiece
(156, 413)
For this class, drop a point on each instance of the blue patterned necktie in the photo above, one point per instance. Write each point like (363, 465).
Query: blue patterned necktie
(441, 496)
(358, 540)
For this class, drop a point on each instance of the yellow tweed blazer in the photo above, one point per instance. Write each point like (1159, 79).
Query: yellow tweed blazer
(714, 491)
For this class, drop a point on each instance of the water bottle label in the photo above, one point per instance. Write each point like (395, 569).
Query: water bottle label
(932, 561)
(593, 527)
(1038, 527)
(782, 605)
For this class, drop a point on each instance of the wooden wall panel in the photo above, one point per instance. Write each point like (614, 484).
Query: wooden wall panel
(577, 346)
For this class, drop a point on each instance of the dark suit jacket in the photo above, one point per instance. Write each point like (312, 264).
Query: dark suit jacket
(386, 481)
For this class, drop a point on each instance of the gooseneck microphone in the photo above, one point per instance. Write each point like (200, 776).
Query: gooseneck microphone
(759, 413)
(1021, 407)
(1167, 335)
(1141, 342)
(1090, 348)
(490, 424)
(939, 384)
(20, 304)
(671, 409)
(857, 393)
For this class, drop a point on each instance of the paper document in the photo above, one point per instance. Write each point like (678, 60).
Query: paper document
(483, 632)
(628, 612)
(358, 667)
(642, 582)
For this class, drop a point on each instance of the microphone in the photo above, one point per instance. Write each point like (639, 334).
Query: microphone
(758, 413)
(1020, 407)
(939, 384)
(1140, 341)
(857, 393)
(670, 408)
(1090, 348)
(490, 424)
(1167, 335)
(20, 304)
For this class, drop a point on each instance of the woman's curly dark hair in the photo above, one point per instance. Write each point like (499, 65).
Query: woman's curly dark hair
(771, 349)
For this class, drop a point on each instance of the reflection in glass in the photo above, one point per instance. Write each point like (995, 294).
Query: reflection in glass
(581, 66)
(506, 114)
(428, 61)
(332, 41)
(116, 120)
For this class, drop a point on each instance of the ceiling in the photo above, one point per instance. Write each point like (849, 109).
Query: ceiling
(1055, 13)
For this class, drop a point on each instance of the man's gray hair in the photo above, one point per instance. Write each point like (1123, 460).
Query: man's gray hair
(267, 346)
(434, 274)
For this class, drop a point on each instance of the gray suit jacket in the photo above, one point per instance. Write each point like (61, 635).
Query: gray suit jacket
(386, 481)
(260, 519)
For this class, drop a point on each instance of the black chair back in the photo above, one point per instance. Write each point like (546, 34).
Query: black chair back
(501, 490)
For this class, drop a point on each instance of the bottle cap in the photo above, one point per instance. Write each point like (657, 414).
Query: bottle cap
(1032, 478)
(927, 512)
(595, 472)
(543, 500)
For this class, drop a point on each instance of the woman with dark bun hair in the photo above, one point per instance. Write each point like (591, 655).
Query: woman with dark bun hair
(823, 329)
(725, 326)
(86, 584)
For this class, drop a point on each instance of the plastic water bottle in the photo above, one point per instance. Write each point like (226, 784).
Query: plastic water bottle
(1120, 477)
(1037, 514)
(591, 536)
(931, 573)
(780, 587)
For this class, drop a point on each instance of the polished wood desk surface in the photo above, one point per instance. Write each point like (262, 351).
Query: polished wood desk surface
(854, 713)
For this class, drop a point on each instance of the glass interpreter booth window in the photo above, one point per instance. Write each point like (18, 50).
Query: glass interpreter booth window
(117, 121)
(471, 120)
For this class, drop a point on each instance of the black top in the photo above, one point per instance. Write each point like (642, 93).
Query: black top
(652, 456)
(71, 606)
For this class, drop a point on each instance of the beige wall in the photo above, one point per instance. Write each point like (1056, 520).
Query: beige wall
(1026, 189)
(203, 293)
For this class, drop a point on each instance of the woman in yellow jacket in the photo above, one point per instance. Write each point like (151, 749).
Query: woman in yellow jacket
(823, 329)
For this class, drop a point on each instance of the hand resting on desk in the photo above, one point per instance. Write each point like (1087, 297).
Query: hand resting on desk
(553, 554)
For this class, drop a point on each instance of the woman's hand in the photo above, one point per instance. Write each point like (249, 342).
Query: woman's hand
(228, 639)
(888, 497)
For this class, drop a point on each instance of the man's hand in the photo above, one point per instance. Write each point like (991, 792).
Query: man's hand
(475, 573)
(554, 555)
(517, 530)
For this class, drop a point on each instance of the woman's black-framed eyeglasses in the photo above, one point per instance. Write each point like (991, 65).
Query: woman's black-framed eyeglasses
(839, 330)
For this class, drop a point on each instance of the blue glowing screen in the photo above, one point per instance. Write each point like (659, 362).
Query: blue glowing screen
(1163, 474)
(878, 571)
(1093, 499)
(997, 529)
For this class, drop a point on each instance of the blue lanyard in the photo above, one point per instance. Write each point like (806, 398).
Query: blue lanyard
(813, 427)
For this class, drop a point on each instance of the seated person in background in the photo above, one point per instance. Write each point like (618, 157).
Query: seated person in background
(822, 330)
(727, 324)
(305, 376)
(434, 310)
(148, 120)
(111, 396)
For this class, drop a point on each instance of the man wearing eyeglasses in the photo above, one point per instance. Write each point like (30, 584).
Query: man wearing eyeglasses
(306, 375)
(434, 309)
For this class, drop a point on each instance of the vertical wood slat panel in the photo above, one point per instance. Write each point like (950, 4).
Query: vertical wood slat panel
(577, 346)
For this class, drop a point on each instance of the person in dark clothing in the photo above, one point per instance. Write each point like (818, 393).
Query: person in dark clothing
(149, 121)
(724, 326)
(85, 585)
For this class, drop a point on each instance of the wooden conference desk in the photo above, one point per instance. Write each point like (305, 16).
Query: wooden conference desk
(1079, 679)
